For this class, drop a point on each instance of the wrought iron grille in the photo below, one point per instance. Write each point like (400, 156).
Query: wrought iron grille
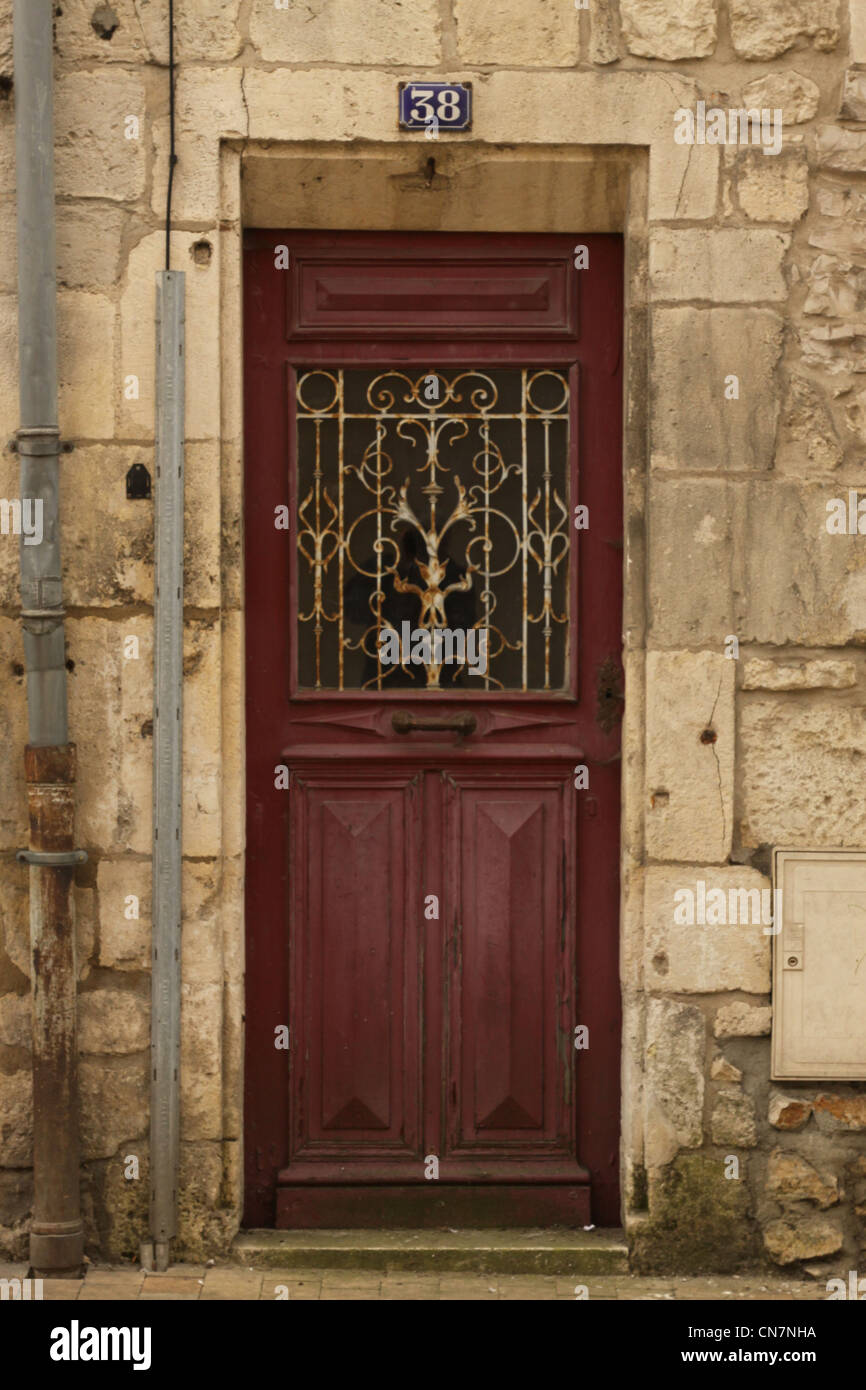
(439, 501)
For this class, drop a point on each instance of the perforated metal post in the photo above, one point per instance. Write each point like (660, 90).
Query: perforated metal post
(167, 754)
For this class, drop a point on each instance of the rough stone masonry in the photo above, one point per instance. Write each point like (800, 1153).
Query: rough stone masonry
(755, 270)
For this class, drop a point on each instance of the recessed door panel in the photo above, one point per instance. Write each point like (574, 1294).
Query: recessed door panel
(510, 964)
(355, 1067)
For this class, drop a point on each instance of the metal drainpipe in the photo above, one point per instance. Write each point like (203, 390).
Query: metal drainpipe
(56, 1238)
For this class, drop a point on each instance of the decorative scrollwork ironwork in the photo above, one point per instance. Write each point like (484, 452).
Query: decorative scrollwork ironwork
(441, 500)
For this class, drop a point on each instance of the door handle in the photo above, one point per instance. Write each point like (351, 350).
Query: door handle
(402, 722)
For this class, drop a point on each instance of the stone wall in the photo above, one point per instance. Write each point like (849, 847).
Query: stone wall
(740, 264)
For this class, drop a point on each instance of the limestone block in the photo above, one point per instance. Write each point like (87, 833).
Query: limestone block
(15, 916)
(110, 715)
(202, 934)
(695, 352)
(206, 1222)
(16, 1120)
(766, 28)
(6, 38)
(853, 106)
(689, 782)
(840, 1113)
(799, 779)
(694, 958)
(201, 545)
(790, 1178)
(675, 1044)
(801, 1236)
(233, 749)
(855, 416)
(835, 348)
(7, 149)
(698, 1218)
(201, 1062)
(657, 29)
(376, 31)
(791, 93)
(690, 547)
(112, 1021)
(8, 366)
(788, 1112)
(516, 33)
(808, 439)
(202, 725)
(809, 594)
(8, 248)
(773, 188)
(124, 940)
(109, 564)
(321, 104)
(841, 150)
(209, 104)
(208, 29)
(858, 31)
(115, 1103)
(13, 737)
(15, 1020)
(106, 32)
(84, 906)
(724, 266)
(85, 356)
(741, 1020)
(94, 156)
(733, 1120)
(806, 675)
(88, 245)
(604, 38)
(836, 288)
(723, 1070)
(137, 318)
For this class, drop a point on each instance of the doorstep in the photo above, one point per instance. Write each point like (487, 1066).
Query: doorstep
(516, 1251)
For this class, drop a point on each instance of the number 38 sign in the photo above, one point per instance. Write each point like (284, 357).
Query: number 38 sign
(433, 105)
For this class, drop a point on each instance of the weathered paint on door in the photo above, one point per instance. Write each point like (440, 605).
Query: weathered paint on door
(432, 905)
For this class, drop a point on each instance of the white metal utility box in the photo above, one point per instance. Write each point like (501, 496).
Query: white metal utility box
(819, 966)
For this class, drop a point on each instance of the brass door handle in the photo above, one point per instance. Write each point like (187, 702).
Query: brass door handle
(405, 723)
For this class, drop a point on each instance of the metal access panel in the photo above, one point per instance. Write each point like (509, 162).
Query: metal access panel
(819, 966)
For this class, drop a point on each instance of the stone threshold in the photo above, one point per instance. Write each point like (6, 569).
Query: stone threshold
(514, 1251)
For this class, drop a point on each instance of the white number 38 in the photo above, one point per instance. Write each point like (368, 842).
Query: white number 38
(448, 106)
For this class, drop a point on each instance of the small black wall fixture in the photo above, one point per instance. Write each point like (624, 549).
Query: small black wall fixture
(137, 482)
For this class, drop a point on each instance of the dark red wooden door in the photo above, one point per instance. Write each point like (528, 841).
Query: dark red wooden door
(433, 607)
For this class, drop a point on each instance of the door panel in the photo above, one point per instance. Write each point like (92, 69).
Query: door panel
(356, 1084)
(428, 412)
(511, 942)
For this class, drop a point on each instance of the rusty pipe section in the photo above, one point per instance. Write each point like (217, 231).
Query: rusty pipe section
(56, 1242)
(56, 1234)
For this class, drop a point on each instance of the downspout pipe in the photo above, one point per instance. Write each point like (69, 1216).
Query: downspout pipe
(56, 1237)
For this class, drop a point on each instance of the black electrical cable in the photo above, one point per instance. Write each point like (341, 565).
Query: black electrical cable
(172, 157)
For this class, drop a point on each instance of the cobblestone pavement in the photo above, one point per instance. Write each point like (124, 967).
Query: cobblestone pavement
(230, 1282)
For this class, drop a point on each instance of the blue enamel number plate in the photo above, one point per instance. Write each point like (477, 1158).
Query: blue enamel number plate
(435, 106)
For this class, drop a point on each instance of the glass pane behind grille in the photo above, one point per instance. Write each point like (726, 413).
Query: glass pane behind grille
(434, 503)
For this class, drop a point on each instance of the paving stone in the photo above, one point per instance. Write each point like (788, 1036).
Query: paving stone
(170, 1287)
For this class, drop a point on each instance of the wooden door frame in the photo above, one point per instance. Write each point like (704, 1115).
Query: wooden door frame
(268, 611)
